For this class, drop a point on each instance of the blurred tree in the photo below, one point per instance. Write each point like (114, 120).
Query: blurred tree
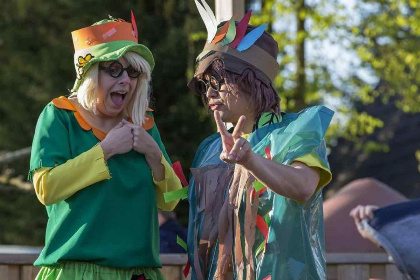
(381, 38)
(36, 54)
(386, 40)
(37, 64)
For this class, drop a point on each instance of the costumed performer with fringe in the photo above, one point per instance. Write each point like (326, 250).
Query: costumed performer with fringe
(256, 191)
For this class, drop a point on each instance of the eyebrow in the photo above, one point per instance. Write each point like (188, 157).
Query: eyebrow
(105, 63)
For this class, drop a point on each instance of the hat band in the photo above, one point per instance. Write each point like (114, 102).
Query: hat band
(255, 56)
(104, 33)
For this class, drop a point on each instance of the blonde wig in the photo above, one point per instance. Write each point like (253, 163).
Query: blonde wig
(87, 94)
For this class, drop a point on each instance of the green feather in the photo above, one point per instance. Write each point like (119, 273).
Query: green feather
(231, 34)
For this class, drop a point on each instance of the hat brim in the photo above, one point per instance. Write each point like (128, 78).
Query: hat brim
(109, 52)
(231, 63)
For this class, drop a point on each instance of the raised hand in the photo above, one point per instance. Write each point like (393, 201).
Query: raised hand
(236, 149)
(118, 141)
(362, 212)
(143, 143)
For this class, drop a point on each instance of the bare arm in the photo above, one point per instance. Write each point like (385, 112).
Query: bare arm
(297, 181)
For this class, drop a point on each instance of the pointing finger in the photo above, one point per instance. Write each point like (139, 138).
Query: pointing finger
(239, 127)
(220, 125)
(236, 148)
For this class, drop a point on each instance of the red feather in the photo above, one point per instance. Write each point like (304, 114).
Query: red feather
(134, 25)
(186, 270)
(241, 29)
(263, 227)
(178, 171)
(267, 152)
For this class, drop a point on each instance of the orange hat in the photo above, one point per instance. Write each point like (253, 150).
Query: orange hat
(106, 40)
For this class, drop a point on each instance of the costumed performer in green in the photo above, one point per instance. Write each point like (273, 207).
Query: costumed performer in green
(256, 191)
(98, 163)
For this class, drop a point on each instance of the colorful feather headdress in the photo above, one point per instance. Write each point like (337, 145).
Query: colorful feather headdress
(237, 48)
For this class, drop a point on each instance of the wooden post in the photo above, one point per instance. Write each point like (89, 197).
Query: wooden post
(225, 9)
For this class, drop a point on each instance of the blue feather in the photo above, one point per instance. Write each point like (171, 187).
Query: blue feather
(251, 38)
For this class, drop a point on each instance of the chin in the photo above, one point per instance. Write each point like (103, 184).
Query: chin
(226, 116)
(114, 114)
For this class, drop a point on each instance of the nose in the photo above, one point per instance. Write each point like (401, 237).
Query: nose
(124, 78)
(211, 93)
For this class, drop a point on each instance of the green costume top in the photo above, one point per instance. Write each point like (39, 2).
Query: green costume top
(111, 223)
(237, 226)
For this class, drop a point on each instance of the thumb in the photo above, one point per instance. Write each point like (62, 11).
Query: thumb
(129, 124)
(120, 124)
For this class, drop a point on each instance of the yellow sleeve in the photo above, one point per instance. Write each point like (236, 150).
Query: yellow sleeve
(313, 161)
(58, 183)
(170, 183)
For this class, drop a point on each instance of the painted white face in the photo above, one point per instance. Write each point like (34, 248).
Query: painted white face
(114, 94)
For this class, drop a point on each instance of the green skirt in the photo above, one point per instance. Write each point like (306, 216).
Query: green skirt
(83, 270)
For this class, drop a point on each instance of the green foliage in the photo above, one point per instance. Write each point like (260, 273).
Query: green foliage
(360, 125)
(318, 23)
(22, 217)
(418, 159)
(37, 55)
(36, 52)
(387, 42)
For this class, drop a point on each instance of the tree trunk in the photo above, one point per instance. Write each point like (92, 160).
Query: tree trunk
(225, 9)
(300, 56)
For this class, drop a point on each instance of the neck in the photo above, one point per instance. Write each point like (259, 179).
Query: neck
(100, 121)
(105, 121)
(249, 123)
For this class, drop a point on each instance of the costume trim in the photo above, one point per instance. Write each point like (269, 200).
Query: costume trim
(63, 102)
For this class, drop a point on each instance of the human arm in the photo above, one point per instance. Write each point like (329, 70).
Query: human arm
(297, 181)
(58, 183)
(170, 183)
(53, 184)
(163, 174)
(144, 143)
(360, 213)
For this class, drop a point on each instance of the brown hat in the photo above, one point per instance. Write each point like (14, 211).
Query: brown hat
(261, 58)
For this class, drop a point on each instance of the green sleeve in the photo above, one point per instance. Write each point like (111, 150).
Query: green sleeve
(51, 145)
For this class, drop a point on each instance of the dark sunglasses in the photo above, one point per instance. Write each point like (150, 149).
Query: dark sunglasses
(115, 70)
(214, 83)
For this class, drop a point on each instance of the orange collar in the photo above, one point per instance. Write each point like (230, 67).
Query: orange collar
(62, 102)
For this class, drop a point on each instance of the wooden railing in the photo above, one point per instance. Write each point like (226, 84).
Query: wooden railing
(16, 264)
(360, 266)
